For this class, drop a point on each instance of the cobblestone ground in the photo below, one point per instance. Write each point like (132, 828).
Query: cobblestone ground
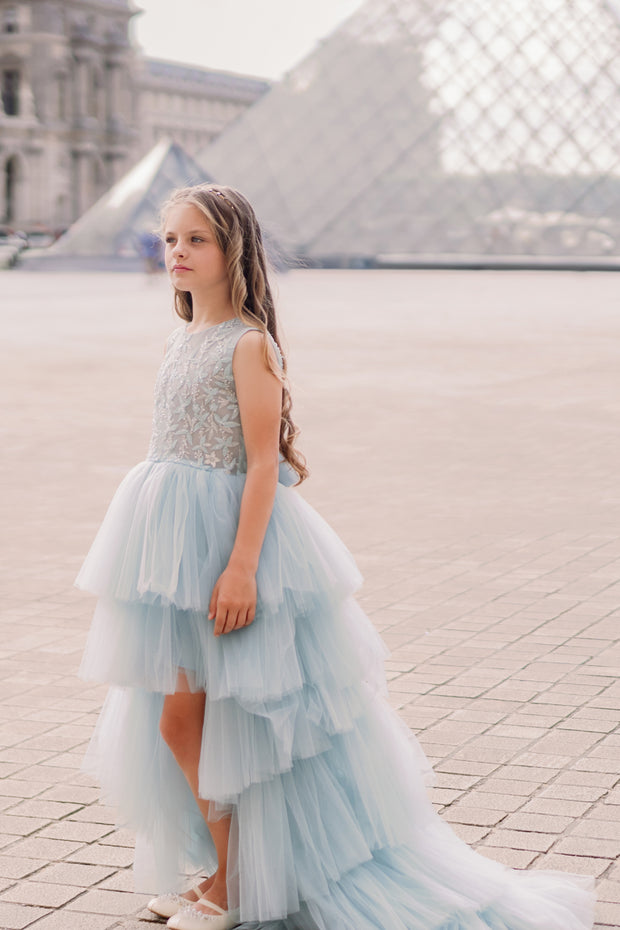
(463, 431)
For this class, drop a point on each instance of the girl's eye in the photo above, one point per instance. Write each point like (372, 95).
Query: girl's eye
(197, 239)
(169, 239)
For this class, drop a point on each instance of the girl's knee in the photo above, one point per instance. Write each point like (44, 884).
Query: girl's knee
(181, 722)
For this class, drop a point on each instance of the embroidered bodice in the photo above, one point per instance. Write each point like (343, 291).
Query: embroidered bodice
(196, 414)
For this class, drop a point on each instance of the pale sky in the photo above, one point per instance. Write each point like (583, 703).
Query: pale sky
(260, 37)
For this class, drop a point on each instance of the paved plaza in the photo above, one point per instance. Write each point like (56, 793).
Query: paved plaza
(463, 432)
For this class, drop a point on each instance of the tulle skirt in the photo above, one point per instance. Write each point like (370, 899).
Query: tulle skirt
(331, 827)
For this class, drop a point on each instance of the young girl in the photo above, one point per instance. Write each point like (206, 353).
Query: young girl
(246, 735)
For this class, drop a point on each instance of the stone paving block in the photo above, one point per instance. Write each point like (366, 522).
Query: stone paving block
(586, 846)
(443, 796)
(606, 812)
(109, 902)
(580, 865)
(541, 805)
(535, 759)
(537, 823)
(474, 815)
(122, 837)
(71, 794)
(20, 826)
(520, 839)
(585, 793)
(470, 833)
(521, 731)
(464, 767)
(47, 810)
(507, 803)
(457, 782)
(477, 751)
(17, 916)
(35, 847)
(607, 914)
(17, 867)
(511, 787)
(609, 891)
(119, 856)
(96, 813)
(23, 756)
(73, 920)
(42, 776)
(52, 716)
(597, 829)
(9, 768)
(41, 894)
(591, 764)
(139, 924)
(597, 779)
(122, 880)
(74, 830)
(571, 742)
(513, 858)
(14, 788)
(69, 873)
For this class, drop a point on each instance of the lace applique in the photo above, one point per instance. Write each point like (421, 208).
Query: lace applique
(196, 414)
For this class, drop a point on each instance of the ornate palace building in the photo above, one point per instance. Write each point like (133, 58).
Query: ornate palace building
(79, 106)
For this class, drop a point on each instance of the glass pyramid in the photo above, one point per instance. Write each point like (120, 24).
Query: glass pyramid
(441, 128)
(115, 227)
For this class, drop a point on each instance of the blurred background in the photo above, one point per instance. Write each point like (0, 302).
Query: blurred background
(385, 133)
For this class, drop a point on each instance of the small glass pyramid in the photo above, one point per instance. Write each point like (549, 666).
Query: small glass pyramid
(116, 224)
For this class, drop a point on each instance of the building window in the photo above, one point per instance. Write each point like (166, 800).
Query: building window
(10, 91)
(10, 22)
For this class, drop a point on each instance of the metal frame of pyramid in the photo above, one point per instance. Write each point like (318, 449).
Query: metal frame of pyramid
(442, 131)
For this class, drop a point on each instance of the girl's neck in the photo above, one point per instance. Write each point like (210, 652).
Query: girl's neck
(210, 312)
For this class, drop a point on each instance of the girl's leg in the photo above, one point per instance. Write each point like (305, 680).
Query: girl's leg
(181, 726)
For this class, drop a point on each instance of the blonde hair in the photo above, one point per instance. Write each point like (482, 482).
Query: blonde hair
(239, 237)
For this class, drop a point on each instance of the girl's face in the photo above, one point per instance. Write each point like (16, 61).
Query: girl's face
(194, 260)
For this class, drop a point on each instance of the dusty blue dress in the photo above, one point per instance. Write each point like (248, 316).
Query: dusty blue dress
(331, 826)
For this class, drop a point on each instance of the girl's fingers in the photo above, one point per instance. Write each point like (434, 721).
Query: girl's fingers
(213, 601)
(220, 620)
(227, 620)
(229, 623)
(242, 619)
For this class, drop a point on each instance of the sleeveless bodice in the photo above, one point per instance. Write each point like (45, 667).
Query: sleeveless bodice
(196, 414)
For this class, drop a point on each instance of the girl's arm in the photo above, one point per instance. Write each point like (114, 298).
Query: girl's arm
(259, 393)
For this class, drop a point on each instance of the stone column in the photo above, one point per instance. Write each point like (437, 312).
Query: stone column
(114, 112)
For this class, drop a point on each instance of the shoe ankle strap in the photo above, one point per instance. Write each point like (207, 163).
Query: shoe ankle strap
(213, 906)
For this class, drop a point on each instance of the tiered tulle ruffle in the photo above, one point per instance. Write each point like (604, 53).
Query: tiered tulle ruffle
(331, 827)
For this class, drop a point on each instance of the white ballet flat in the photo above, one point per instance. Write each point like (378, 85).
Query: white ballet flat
(190, 918)
(167, 905)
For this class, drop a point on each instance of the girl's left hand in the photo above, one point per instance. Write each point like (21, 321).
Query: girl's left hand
(233, 600)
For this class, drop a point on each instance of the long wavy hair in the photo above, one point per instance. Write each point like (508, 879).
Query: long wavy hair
(239, 237)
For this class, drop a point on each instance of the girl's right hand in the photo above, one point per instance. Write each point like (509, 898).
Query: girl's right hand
(233, 600)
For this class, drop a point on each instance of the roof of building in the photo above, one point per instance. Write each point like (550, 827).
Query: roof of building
(231, 85)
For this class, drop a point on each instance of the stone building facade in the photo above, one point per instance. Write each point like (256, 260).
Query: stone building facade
(79, 105)
(191, 105)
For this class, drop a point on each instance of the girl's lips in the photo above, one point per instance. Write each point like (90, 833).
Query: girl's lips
(180, 268)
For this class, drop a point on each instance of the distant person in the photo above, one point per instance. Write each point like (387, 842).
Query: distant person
(150, 247)
(246, 738)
